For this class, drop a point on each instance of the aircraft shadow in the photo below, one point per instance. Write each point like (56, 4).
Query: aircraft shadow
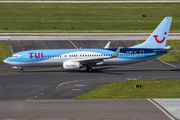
(106, 70)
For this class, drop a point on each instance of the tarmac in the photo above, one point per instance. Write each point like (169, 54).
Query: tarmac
(48, 93)
(127, 109)
(80, 36)
(171, 105)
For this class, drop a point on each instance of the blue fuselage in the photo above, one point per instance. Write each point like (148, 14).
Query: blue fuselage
(56, 57)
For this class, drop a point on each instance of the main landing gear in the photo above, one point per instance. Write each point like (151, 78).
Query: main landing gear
(89, 69)
(21, 70)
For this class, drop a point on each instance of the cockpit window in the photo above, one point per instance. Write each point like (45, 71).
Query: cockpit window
(14, 56)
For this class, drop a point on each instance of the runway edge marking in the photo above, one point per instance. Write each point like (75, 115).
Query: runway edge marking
(161, 109)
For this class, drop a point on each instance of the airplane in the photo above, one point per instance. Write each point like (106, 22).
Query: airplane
(75, 59)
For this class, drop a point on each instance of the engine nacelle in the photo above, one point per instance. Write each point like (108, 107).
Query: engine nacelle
(71, 65)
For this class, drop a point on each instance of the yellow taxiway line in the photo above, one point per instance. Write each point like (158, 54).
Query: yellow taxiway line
(73, 44)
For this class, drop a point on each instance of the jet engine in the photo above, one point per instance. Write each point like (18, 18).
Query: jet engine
(71, 65)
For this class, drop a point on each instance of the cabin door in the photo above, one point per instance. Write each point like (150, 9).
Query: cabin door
(142, 54)
(25, 56)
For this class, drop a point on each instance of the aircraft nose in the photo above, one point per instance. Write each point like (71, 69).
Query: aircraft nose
(6, 60)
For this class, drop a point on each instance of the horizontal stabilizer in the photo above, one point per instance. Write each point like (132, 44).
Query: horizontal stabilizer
(166, 49)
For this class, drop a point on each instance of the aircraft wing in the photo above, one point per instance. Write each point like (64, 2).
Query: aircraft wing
(97, 60)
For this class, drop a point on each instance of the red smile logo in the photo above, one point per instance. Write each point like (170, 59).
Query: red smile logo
(159, 41)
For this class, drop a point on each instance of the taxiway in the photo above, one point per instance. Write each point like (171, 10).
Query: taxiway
(39, 89)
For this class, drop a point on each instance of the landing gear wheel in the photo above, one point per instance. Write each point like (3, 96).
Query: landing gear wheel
(21, 70)
(89, 69)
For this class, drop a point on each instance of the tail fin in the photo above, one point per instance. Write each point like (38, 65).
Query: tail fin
(158, 38)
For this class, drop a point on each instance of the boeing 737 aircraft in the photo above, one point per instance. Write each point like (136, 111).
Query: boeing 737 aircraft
(74, 59)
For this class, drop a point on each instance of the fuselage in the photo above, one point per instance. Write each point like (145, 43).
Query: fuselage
(56, 57)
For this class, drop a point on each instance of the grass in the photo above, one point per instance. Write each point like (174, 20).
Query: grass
(82, 0)
(5, 51)
(161, 88)
(89, 17)
(172, 55)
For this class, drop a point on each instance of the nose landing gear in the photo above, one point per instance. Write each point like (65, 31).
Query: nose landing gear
(20, 68)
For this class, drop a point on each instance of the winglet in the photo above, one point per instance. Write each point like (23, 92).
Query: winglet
(117, 52)
(107, 45)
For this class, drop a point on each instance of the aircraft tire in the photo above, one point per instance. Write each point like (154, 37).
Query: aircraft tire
(21, 70)
(89, 69)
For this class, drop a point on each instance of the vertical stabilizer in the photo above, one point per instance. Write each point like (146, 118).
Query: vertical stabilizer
(158, 38)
